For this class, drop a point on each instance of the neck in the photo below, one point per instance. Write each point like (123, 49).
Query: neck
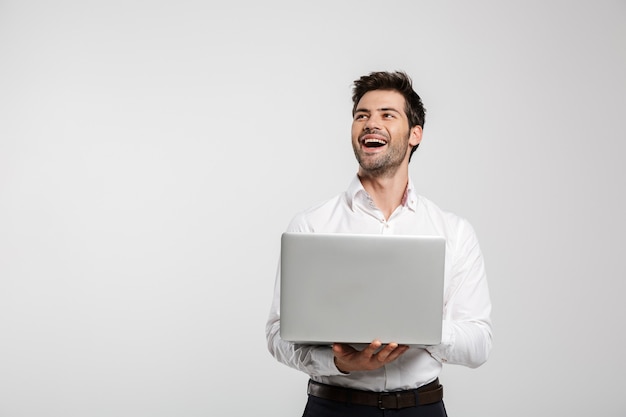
(386, 191)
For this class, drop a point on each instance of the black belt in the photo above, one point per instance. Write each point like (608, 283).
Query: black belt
(427, 394)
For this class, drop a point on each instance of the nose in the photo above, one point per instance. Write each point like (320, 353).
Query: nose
(372, 123)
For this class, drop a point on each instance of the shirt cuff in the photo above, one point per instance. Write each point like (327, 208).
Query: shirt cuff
(325, 360)
(441, 351)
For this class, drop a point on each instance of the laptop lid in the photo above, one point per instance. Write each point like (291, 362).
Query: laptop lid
(354, 288)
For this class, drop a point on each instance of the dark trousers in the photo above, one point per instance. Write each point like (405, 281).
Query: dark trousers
(319, 407)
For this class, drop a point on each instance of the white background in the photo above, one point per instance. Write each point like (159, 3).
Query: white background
(151, 153)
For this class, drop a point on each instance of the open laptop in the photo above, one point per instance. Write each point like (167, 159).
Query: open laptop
(354, 288)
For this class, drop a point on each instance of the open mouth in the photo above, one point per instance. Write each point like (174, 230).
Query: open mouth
(374, 143)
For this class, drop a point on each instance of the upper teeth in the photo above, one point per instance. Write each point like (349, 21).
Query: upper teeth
(375, 140)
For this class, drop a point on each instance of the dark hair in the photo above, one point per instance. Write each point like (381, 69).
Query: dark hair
(397, 81)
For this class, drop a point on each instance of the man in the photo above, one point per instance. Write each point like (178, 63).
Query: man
(388, 118)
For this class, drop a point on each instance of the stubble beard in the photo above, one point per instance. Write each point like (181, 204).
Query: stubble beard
(383, 165)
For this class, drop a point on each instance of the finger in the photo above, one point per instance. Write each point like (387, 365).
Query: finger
(338, 348)
(371, 349)
(384, 353)
(391, 352)
(399, 351)
(342, 349)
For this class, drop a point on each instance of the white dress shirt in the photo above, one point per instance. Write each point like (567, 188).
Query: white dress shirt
(466, 329)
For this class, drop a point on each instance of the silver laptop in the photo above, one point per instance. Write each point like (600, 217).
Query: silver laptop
(354, 288)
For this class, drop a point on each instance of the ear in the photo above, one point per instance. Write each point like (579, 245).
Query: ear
(415, 135)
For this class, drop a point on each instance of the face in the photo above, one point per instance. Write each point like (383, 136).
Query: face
(381, 137)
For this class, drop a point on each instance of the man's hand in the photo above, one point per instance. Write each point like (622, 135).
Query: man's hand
(374, 356)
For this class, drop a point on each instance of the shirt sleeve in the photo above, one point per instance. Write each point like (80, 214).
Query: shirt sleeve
(466, 329)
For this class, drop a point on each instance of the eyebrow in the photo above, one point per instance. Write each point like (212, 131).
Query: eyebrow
(382, 109)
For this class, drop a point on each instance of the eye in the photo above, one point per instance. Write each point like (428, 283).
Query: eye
(360, 116)
(389, 116)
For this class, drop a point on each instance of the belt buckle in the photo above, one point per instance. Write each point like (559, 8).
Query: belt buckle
(382, 395)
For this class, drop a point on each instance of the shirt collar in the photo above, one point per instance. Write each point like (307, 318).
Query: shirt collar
(410, 196)
(356, 192)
